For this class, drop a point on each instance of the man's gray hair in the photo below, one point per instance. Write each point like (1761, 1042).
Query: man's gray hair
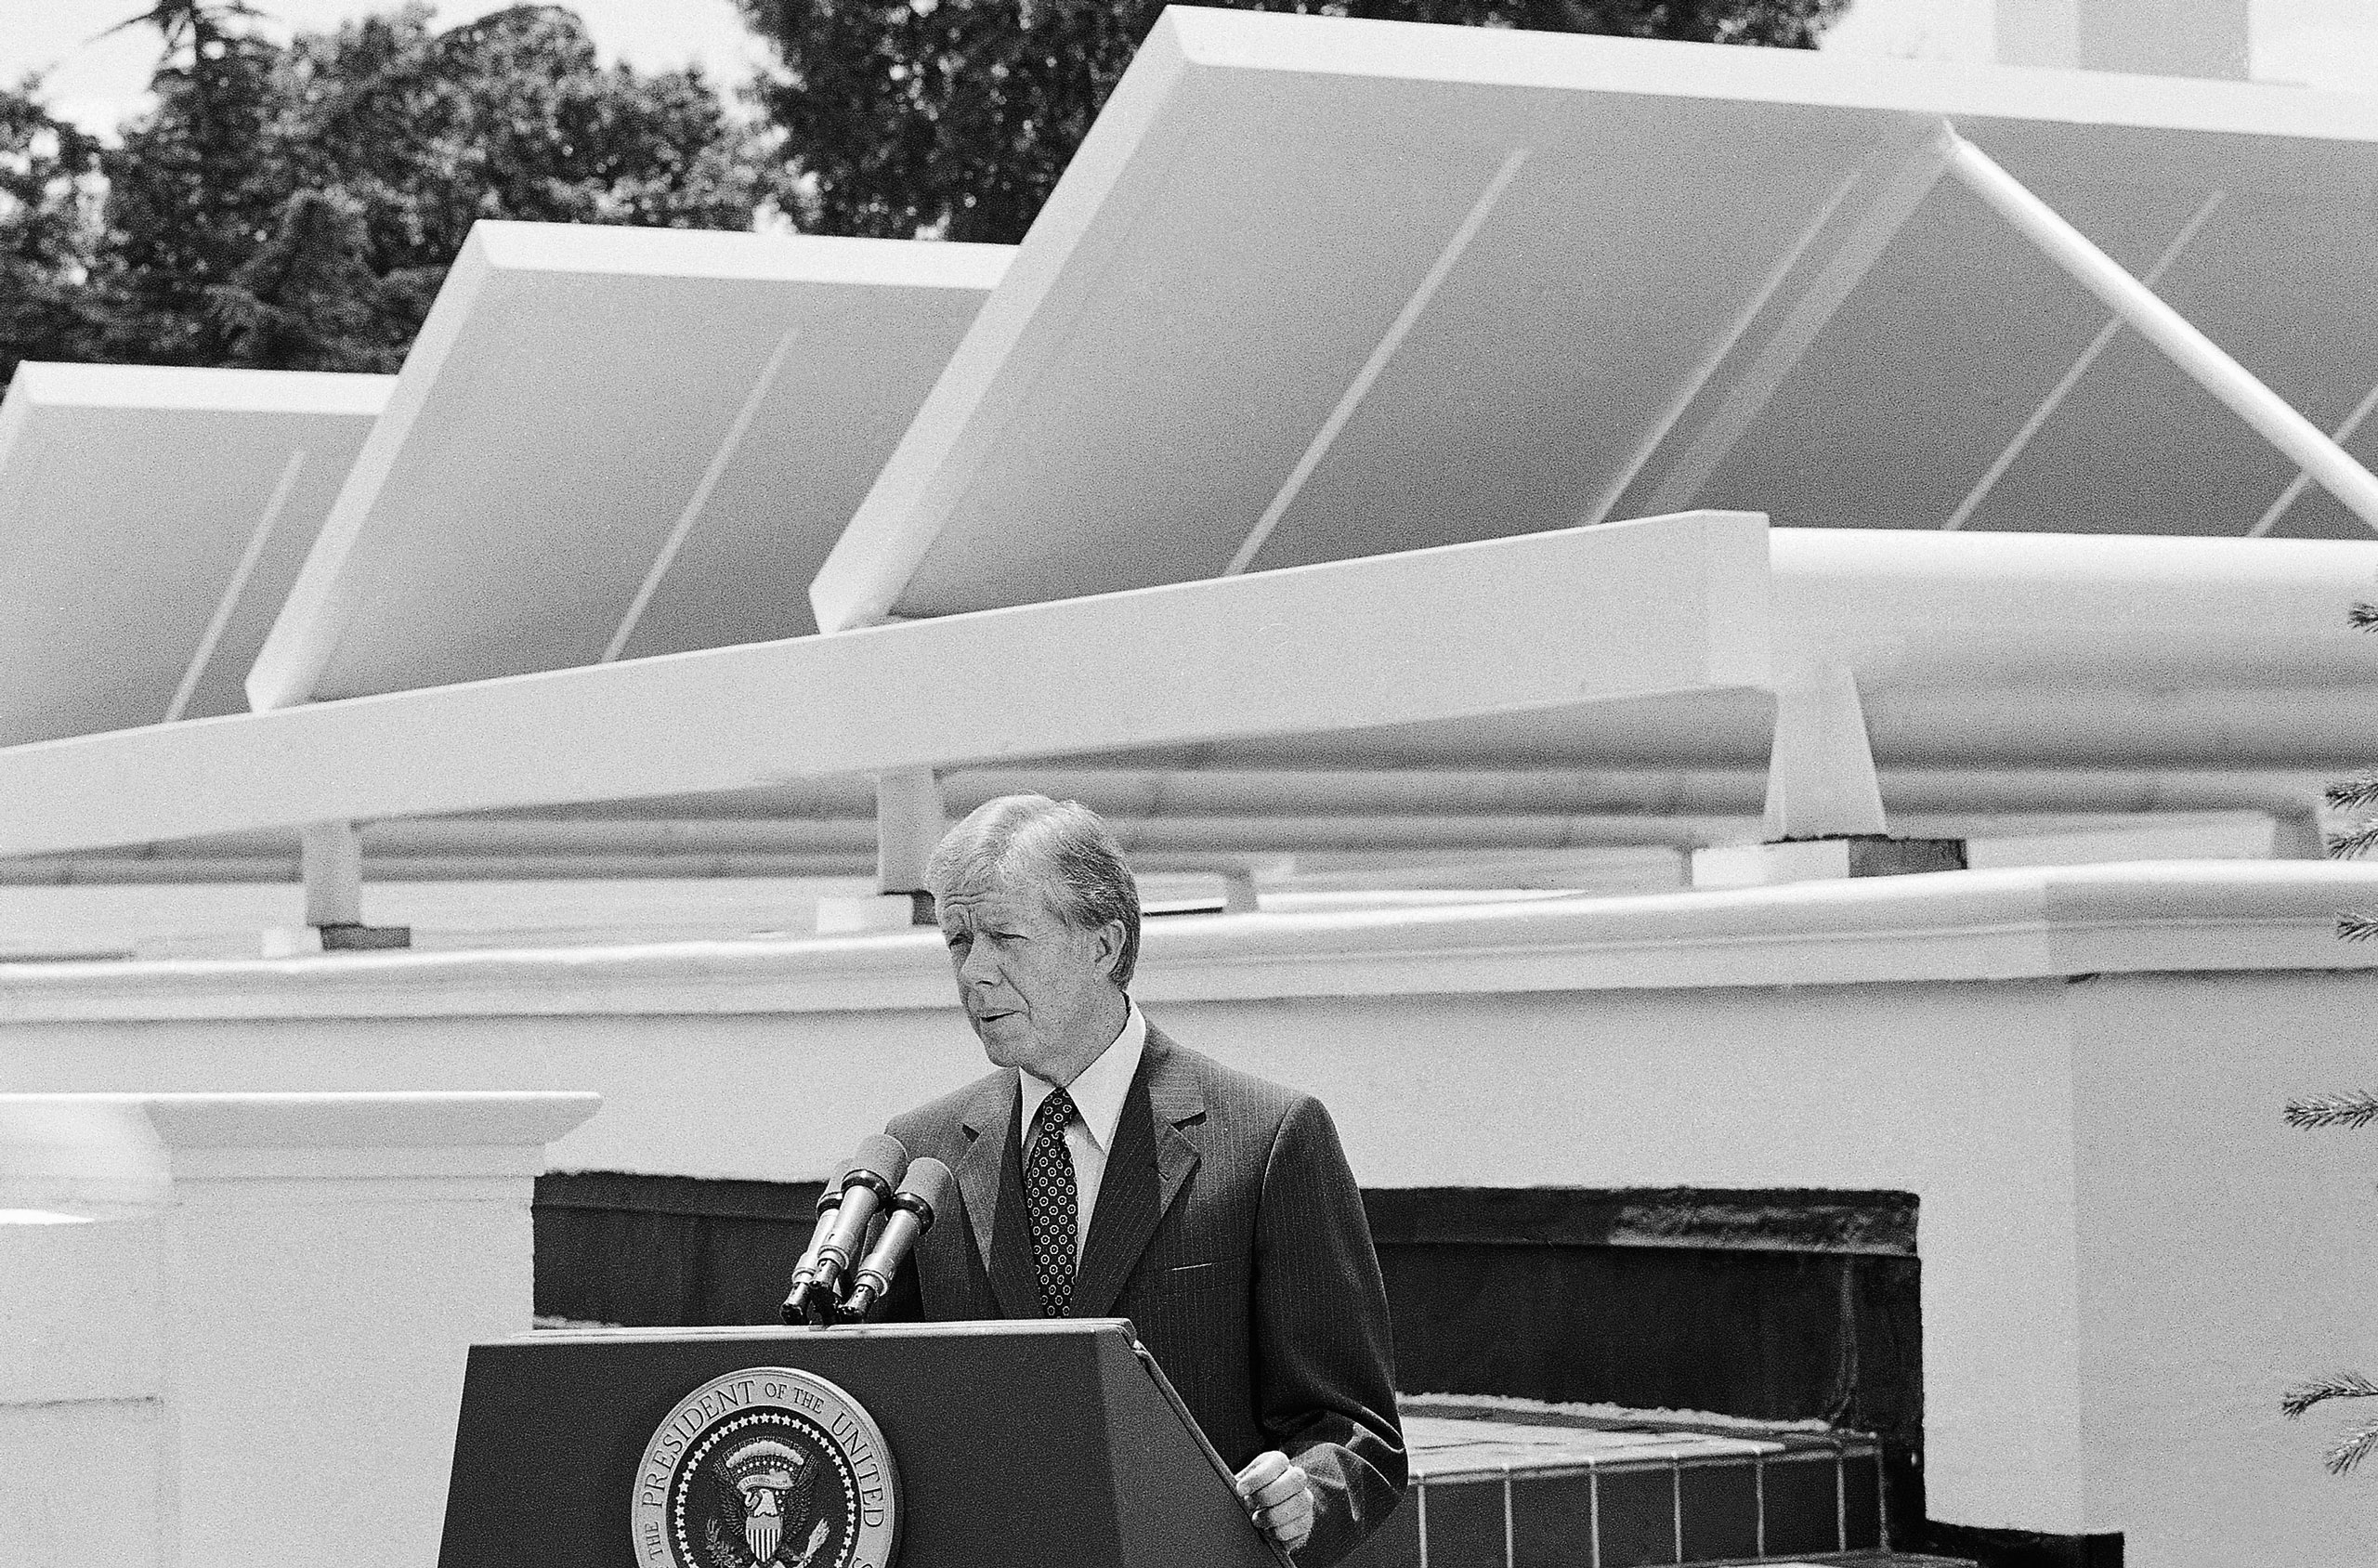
(1066, 850)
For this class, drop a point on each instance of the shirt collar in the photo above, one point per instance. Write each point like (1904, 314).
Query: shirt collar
(1098, 1092)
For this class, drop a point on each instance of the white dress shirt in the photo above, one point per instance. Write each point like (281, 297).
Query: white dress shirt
(1098, 1105)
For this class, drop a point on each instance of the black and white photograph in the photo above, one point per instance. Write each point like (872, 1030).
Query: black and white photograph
(1278, 784)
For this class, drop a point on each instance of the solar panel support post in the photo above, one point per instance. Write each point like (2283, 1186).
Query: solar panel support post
(909, 820)
(331, 855)
(331, 859)
(1821, 779)
(1824, 803)
(2304, 443)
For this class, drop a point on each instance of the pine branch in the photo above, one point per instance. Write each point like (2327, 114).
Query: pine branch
(2352, 1448)
(2356, 928)
(2352, 1112)
(2337, 1385)
(2354, 794)
(201, 20)
(2355, 841)
(2362, 616)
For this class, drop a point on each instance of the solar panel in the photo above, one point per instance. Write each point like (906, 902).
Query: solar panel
(1316, 288)
(151, 518)
(614, 443)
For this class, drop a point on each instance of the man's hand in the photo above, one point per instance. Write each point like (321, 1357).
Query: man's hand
(1280, 1496)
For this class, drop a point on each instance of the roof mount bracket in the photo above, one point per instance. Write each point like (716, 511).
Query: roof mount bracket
(1824, 805)
(331, 855)
(1821, 779)
(909, 821)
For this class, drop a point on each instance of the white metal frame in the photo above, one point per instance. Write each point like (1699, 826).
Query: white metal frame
(1840, 252)
(2021, 441)
(722, 459)
(1543, 621)
(1744, 320)
(1822, 778)
(330, 862)
(2306, 444)
(1390, 341)
(2287, 498)
(909, 820)
(1667, 605)
(250, 558)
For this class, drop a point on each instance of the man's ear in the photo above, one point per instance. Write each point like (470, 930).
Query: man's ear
(1110, 948)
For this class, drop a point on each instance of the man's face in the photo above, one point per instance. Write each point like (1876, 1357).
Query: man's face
(1035, 988)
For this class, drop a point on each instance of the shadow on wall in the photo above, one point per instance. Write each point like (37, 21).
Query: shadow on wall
(1777, 1305)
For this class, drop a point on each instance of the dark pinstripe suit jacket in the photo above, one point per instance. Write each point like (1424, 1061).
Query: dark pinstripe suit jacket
(1231, 1233)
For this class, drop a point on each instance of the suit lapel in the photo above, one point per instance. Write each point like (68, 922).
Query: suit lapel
(1013, 1279)
(990, 1176)
(990, 1129)
(1155, 1148)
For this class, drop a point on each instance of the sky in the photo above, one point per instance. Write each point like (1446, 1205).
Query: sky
(97, 80)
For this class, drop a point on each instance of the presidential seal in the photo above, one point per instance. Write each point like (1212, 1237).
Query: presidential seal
(765, 1468)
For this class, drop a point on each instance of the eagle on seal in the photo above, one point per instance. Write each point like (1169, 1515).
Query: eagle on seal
(767, 1496)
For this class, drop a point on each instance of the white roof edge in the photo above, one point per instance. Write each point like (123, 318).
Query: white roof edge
(183, 387)
(709, 252)
(1502, 57)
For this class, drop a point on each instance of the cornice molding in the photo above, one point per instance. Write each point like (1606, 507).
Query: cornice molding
(2056, 922)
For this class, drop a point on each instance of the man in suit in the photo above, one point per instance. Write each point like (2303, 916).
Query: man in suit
(1104, 1170)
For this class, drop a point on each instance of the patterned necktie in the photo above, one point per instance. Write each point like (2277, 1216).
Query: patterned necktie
(1054, 1202)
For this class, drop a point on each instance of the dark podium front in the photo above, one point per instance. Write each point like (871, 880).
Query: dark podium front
(1041, 1445)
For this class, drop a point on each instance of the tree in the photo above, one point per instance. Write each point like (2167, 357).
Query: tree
(509, 116)
(296, 207)
(49, 198)
(308, 298)
(955, 117)
(190, 191)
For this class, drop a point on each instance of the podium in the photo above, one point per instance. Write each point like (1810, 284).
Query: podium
(1054, 1443)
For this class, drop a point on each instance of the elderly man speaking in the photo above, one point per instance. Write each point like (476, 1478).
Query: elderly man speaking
(1118, 1174)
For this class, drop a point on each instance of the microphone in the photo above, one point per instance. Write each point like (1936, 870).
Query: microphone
(924, 1192)
(830, 1198)
(867, 1186)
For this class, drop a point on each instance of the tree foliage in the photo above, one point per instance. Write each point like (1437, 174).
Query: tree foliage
(955, 117)
(49, 200)
(295, 206)
(2353, 1111)
(2358, 1442)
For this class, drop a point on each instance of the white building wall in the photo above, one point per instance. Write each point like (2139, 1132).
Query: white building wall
(81, 1423)
(83, 1483)
(1960, 1092)
(2079, 1072)
(234, 1331)
(2223, 1256)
